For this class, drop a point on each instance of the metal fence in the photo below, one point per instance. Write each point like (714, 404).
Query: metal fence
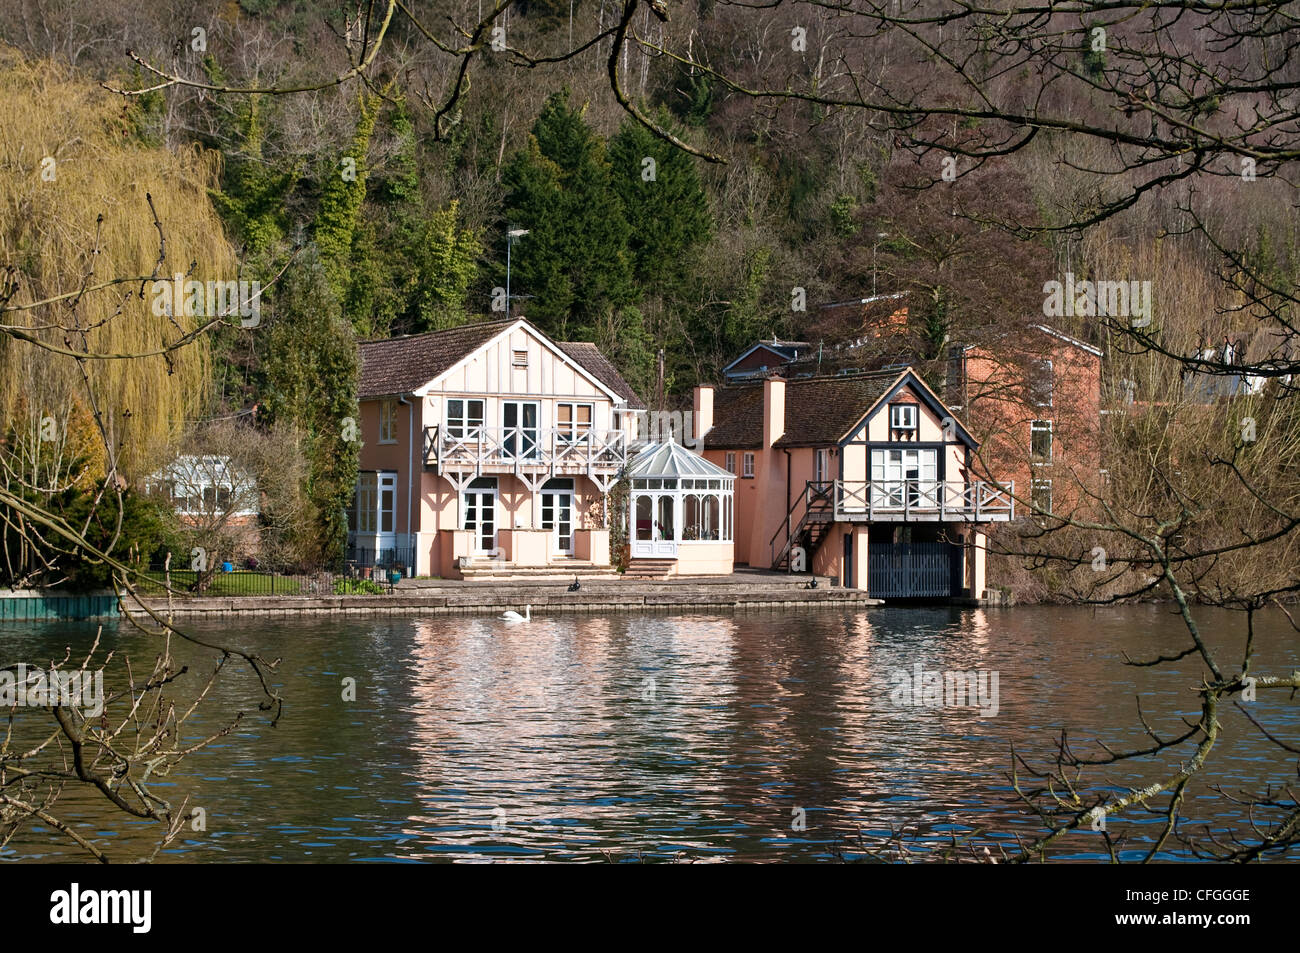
(388, 557)
(363, 571)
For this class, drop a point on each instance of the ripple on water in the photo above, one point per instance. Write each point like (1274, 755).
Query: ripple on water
(470, 741)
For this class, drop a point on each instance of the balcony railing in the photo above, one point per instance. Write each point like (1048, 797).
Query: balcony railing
(493, 449)
(907, 500)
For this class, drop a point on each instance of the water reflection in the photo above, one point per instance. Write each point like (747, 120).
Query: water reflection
(758, 736)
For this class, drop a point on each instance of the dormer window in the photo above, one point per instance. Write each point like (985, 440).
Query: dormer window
(903, 417)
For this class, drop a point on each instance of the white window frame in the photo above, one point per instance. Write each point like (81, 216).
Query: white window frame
(494, 491)
(906, 417)
(821, 465)
(731, 461)
(747, 461)
(388, 421)
(571, 432)
(463, 426)
(890, 484)
(369, 511)
(1036, 426)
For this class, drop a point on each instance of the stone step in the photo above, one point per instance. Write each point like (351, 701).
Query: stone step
(650, 568)
(527, 574)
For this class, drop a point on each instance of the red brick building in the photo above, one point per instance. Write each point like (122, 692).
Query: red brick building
(1037, 415)
(1033, 405)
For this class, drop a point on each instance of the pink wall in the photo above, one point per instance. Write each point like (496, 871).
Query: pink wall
(491, 374)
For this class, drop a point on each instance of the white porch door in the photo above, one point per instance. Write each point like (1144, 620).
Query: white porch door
(386, 538)
(557, 516)
(478, 509)
(654, 526)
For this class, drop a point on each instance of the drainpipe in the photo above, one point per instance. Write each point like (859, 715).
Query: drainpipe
(786, 451)
(410, 472)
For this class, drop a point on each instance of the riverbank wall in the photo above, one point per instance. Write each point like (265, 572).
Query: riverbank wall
(436, 597)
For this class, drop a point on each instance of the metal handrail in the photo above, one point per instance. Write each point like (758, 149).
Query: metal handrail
(819, 493)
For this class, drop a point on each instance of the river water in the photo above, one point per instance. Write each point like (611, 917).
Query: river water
(761, 736)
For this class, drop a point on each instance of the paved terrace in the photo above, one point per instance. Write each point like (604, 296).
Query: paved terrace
(547, 595)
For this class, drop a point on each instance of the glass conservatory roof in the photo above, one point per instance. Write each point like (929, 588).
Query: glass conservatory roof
(671, 460)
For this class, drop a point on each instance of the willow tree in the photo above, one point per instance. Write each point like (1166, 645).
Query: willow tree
(94, 387)
(89, 215)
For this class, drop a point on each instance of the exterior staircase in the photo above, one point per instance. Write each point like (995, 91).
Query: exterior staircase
(811, 516)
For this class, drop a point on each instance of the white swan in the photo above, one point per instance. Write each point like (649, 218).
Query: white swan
(512, 616)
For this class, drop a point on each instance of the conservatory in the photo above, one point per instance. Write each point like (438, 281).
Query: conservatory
(681, 509)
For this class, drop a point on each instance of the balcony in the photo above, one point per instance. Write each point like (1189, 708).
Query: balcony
(905, 501)
(525, 450)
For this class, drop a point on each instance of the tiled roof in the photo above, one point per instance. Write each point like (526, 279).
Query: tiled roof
(786, 350)
(818, 411)
(737, 418)
(400, 365)
(601, 368)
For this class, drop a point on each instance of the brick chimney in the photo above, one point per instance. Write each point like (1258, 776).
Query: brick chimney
(773, 410)
(703, 410)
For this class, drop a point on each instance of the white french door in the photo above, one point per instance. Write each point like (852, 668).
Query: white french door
(654, 518)
(557, 516)
(478, 509)
(905, 477)
(372, 518)
(387, 535)
(520, 434)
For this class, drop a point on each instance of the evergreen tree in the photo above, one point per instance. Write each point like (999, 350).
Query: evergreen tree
(339, 213)
(575, 262)
(252, 196)
(663, 202)
(312, 367)
(447, 263)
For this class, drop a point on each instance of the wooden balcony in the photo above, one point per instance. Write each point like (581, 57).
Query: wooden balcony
(884, 501)
(526, 451)
(906, 501)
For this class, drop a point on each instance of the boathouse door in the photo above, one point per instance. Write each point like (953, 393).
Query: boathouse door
(913, 570)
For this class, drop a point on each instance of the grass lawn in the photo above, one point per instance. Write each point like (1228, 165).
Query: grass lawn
(241, 582)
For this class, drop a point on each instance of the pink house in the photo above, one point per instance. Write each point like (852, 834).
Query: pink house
(865, 477)
(487, 446)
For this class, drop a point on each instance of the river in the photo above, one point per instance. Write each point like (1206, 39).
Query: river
(761, 736)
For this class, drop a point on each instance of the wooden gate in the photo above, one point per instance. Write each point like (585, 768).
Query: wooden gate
(913, 570)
